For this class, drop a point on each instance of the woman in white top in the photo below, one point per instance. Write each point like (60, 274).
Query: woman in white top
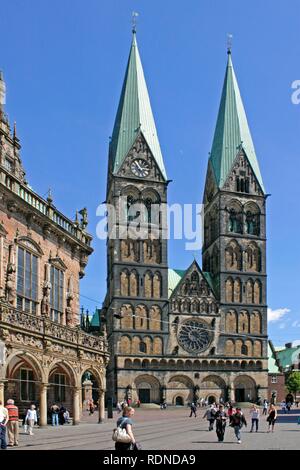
(254, 413)
(31, 419)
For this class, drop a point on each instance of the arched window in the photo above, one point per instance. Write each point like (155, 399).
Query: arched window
(235, 221)
(252, 223)
(244, 350)
(148, 205)
(143, 347)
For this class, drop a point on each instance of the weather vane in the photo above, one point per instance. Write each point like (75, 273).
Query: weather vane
(134, 20)
(229, 43)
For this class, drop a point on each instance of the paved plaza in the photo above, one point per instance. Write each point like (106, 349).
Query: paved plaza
(170, 429)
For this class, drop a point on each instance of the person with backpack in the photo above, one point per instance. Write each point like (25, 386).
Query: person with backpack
(210, 416)
(237, 422)
(124, 431)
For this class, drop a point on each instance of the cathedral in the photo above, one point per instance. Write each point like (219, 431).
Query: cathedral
(176, 335)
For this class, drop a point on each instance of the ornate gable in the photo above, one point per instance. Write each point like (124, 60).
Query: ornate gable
(193, 294)
(242, 177)
(140, 163)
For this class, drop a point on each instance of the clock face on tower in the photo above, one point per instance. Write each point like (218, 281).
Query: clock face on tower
(140, 168)
(194, 336)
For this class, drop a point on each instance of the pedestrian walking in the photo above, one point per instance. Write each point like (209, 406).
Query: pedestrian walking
(3, 422)
(272, 416)
(230, 412)
(210, 416)
(221, 418)
(288, 406)
(13, 423)
(265, 407)
(31, 419)
(125, 422)
(91, 408)
(138, 403)
(254, 413)
(54, 414)
(237, 422)
(193, 410)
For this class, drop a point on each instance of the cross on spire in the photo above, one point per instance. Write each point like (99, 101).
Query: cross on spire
(229, 43)
(134, 21)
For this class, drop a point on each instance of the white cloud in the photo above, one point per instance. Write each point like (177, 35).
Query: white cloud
(282, 326)
(275, 315)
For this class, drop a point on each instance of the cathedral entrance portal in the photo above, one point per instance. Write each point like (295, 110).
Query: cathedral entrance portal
(245, 389)
(147, 389)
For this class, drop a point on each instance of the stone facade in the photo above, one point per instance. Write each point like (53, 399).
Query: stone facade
(45, 357)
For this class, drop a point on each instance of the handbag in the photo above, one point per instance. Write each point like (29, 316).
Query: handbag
(120, 435)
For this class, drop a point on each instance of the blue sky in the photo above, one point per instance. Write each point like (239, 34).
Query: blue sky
(64, 62)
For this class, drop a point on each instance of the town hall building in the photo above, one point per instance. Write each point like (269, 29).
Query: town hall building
(179, 335)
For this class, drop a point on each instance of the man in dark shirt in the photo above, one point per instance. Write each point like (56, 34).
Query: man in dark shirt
(220, 418)
(237, 422)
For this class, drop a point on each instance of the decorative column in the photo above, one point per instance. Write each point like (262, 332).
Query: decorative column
(231, 395)
(101, 406)
(43, 404)
(76, 405)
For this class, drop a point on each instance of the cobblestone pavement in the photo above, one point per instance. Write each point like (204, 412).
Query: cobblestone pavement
(170, 429)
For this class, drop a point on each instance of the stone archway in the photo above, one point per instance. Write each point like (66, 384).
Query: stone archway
(244, 389)
(148, 388)
(214, 387)
(23, 377)
(180, 385)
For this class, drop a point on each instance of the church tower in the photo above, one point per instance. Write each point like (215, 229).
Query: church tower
(136, 304)
(234, 250)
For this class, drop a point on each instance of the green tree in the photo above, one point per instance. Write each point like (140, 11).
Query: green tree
(293, 382)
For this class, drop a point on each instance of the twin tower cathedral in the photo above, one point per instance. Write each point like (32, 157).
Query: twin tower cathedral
(179, 335)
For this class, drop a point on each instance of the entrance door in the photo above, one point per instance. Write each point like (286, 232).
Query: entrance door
(179, 401)
(239, 394)
(144, 395)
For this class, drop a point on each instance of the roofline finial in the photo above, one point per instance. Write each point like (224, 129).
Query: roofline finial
(229, 43)
(134, 21)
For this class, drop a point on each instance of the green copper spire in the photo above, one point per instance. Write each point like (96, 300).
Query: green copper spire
(134, 115)
(232, 131)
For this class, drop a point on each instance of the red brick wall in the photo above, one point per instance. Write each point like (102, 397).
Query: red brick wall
(279, 387)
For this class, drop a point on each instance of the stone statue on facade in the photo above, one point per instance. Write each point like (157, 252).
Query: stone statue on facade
(10, 280)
